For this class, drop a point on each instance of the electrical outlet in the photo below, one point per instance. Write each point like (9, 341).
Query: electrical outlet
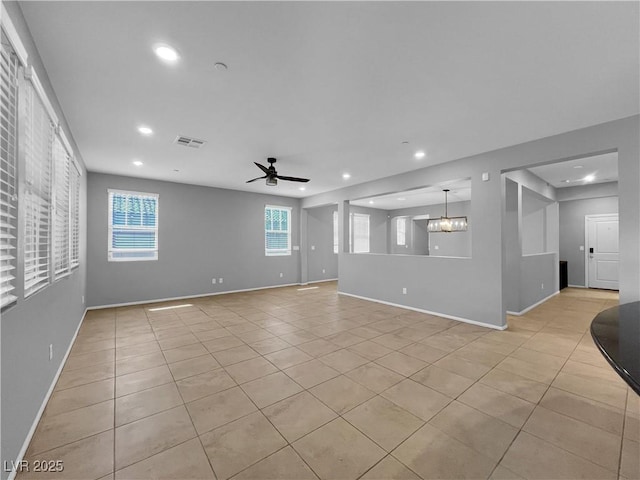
(404, 290)
(51, 351)
(313, 247)
(582, 248)
(542, 286)
(281, 274)
(213, 281)
(220, 280)
(324, 271)
(83, 299)
(436, 247)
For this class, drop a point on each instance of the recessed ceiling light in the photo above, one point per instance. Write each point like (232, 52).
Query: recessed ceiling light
(221, 67)
(419, 154)
(302, 189)
(166, 53)
(144, 130)
(565, 181)
(370, 202)
(406, 142)
(589, 178)
(346, 176)
(176, 170)
(138, 163)
(577, 166)
(401, 199)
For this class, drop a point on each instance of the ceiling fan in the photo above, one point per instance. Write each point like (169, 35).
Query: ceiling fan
(272, 176)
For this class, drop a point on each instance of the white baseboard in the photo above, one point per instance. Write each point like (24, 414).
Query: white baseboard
(186, 297)
(531, 307)
(439, 314)
(32, 430)
(321, 281)
(577, 286)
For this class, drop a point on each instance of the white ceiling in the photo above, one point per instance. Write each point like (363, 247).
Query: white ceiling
(604, 168)
(329, 87)
(460, 191)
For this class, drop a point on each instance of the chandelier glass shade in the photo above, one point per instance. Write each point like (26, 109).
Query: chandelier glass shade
(447, 224)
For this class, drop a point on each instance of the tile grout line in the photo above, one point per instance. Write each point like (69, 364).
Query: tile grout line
(428, 364)
(538, 404)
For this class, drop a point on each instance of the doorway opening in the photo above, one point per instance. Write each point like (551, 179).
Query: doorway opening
(554, 214)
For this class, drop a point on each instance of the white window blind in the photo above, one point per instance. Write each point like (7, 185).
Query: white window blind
(360, 232)
(335, 233)
(36, 201)
(74, 217)
(62, 182)
(277, 230)
(9, 66)
(133, 226)
(401, 231)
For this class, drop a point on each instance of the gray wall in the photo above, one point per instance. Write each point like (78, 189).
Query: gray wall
(538, 278)
(51, 316)
(320, 236)
(203, 233)
(378, 227)
(572, 213)
(607, 189)
(534, 222)
(482, 277)
(512, 246)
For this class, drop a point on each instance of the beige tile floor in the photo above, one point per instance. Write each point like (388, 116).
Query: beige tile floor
(288, 384)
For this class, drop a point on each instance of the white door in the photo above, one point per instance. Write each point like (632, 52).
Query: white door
(602, 251)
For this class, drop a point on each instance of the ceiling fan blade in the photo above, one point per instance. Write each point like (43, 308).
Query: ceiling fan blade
(263, 168)
(258, 178)
(292, 179)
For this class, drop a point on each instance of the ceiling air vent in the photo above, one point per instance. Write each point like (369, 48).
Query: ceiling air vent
(189, 142)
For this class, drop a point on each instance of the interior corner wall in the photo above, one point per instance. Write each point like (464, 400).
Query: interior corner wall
(534, 223)
(512, 246)
(531, 240)
(572, 213)
(203, 233)
(320, 255)
(49, 317)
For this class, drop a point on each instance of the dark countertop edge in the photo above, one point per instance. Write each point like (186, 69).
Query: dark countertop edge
(618, 369)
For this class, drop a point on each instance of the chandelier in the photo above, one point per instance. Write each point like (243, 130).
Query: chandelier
(447, 224)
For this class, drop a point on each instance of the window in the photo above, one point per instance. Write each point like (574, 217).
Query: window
(40, 190)
(8, 171)
(36, 201)
(360, 232)
(277, 230)
(62, 182)
(74, 216)
(335, 233)
(401, 231)
(133, 226)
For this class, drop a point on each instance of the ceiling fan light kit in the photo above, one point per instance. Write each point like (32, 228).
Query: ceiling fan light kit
(447, 224)
(271, 175)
